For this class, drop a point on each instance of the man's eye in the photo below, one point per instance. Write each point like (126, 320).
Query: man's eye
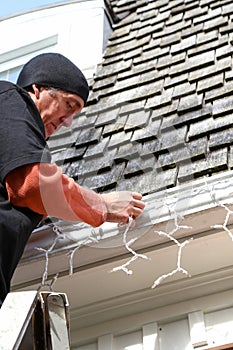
(69, 106)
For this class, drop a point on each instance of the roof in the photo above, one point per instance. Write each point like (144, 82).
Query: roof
(160, 108)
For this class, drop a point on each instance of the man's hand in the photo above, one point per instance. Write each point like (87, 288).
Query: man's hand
(123, 205)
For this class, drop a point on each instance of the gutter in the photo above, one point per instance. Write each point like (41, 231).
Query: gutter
(188, 210)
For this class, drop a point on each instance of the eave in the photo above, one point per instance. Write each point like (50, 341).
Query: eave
(200, 205)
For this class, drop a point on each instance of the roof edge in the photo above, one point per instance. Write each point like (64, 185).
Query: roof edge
(161, 207)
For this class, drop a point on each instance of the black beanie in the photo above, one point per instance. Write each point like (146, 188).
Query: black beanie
(54, 70)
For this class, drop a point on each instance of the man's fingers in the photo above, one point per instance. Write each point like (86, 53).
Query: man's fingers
(122, 205)
(137, 202)
(137, 195)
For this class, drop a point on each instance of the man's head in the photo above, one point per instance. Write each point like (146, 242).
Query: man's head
(58, 88)
(54, 70)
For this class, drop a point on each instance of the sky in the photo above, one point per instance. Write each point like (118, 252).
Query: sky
(11, 7)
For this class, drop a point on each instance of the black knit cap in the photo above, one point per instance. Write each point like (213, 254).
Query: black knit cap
(54, 70)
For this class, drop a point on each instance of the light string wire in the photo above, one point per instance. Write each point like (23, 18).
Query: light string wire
(44, 280)
(128, 243)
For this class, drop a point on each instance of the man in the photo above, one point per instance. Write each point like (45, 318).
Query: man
(50, 90)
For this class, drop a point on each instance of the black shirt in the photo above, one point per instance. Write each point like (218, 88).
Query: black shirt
(22, 141)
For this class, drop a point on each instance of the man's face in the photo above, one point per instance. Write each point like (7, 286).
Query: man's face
(57, 108)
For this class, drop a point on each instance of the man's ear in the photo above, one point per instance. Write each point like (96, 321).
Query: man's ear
(36, 90)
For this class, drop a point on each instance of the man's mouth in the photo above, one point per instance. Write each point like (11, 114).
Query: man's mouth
(54, 126)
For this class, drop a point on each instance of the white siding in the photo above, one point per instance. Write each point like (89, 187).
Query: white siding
(176, 335)
(130, 341)
(219, 326)
(80, 29)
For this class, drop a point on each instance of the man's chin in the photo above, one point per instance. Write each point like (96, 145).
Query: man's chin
(50, 130)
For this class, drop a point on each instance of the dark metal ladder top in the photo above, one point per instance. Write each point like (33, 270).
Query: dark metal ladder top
(35, 320)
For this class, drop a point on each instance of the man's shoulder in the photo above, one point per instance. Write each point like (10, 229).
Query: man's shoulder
(6, 85)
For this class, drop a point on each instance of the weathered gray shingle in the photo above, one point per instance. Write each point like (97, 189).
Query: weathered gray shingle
(221, 138)
(214, 162)
(189, 102)
(222, 65)
(195, 62)
(186, 154)
(211, 82)
(222, 106)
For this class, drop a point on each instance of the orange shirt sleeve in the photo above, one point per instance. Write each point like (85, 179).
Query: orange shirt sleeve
(43, 188)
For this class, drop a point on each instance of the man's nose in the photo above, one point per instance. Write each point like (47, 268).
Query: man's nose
(67, 121)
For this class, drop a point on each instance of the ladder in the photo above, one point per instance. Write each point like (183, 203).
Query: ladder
(35, 320)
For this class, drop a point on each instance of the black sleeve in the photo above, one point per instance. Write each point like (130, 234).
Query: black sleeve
(22, 135)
